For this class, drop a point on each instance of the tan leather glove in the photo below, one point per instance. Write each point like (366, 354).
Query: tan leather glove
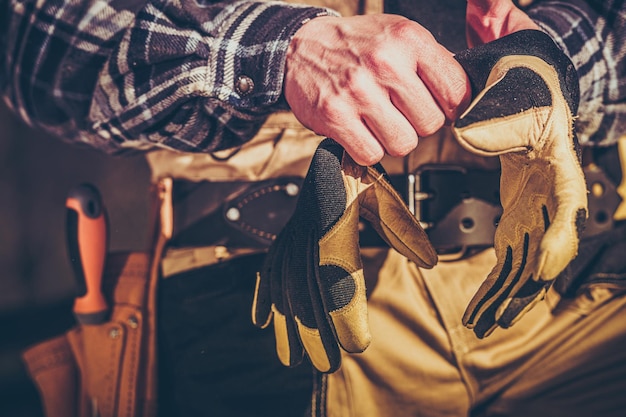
(526, 98)
(312, 283)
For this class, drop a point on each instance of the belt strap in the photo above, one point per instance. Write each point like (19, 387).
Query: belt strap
(251, 214)
(458, 207)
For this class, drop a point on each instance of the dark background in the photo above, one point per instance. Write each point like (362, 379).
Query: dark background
(36, 283)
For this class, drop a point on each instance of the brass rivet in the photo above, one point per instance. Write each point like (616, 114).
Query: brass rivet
(133, 322)
(114, 333)
(244, 85)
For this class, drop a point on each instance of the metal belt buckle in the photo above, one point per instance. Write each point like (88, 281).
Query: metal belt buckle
(458, 207)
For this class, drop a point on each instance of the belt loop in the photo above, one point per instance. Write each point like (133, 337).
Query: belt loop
(166, 213)
(620, 212)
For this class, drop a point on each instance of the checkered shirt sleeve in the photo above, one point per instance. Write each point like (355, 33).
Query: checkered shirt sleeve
(124, 75)
(593, 35)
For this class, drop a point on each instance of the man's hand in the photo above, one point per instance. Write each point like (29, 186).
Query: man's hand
(526, 99)
(373, 83)
(311, 285)
(488, 20)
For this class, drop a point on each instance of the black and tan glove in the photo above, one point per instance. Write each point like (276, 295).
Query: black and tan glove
(527, 96)
(312, 284)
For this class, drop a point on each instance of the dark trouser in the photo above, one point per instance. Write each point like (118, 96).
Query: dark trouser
(213, 361)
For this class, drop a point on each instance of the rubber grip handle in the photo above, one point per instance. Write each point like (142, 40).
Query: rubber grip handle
(87, 239)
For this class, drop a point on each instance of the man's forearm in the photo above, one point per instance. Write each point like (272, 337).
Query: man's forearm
(155, 73)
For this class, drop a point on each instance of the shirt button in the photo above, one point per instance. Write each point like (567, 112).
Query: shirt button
(244, 85)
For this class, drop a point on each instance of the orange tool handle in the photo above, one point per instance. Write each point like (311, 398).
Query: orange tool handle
(87, 239)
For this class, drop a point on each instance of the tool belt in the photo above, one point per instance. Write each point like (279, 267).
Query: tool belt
(109, 369)
(458, 207)
(104, 369)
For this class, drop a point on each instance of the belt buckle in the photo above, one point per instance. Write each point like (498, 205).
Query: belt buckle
(459, 208)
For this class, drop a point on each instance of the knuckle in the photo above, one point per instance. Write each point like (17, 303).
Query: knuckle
(431, 124)
(367, 155)
(405, 29)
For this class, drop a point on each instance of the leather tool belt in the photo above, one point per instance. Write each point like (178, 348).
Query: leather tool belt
(458, 207)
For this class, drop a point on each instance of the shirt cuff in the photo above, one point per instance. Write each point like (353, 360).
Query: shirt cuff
(573, 27)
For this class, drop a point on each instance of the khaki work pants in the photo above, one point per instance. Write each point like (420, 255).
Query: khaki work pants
(564, 357)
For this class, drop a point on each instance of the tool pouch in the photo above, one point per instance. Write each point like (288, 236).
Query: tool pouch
(108, 369)
(102, 369)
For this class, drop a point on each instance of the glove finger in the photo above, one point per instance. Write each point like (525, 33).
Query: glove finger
(383, 207)
(316, 332)
(346, 303)
(559, 245)
(506, 296)
(505, 278)
(340, 281)
(513, 308)
(270, 272)
(304, 302)
(532, 288)
(288, 347)
(480, 313)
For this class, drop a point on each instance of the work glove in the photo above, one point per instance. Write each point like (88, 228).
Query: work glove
(527, 96)
(312, 283)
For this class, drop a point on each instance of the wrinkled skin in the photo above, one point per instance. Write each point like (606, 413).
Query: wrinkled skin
(374, 83)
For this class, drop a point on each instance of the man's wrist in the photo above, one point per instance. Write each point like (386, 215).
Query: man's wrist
(271, 30)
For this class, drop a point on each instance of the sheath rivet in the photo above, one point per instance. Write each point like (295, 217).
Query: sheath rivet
(114, 333)
(233, 214)
(133, 322)
(292, 189)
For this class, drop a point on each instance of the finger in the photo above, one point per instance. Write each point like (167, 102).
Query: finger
(418, 106)
(393, 221)
(288, 347)
(488, 290)
(514, 308)
(392, 129)
(346, 303)
(262, 301)
(303, 303)
(339, 279)
(484, 315)
(445, 79)
(320, 344)
(359, 141)
(559, 245)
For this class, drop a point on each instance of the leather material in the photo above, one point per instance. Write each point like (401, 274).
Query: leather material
(52, 367)
(525, 86)
(106, 369)
(312, 284)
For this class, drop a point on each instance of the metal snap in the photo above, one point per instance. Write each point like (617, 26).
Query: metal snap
(244, 85)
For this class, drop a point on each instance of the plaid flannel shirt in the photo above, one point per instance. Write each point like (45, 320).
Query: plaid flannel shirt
(136, 74)
(593, 34)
